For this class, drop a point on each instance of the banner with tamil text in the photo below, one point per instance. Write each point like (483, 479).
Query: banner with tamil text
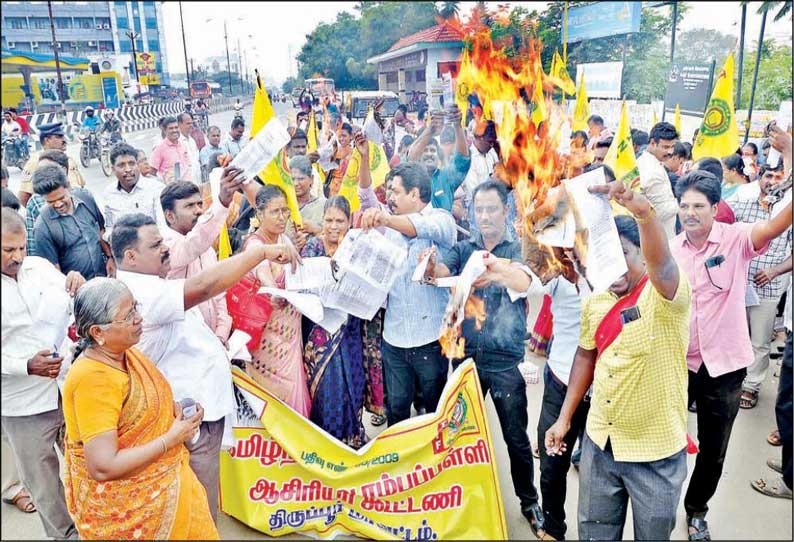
(432, 477)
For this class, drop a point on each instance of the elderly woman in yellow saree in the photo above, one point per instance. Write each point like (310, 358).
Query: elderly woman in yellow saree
(127, 469)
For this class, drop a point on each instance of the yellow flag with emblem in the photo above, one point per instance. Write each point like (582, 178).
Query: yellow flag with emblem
(378, 168)
(582, 111)
(273, 173)
(718, 135)
(620, 156)
(539, 113)
(559, 75)
(313, 142)
(677, 119)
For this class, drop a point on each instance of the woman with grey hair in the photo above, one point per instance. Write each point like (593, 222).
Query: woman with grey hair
(127, 469)
(309, 205)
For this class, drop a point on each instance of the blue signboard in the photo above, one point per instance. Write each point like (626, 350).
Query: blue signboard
(110, 92)
(603, 19)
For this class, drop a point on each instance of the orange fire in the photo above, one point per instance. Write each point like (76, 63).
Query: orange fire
(452, 344)
(514, 93)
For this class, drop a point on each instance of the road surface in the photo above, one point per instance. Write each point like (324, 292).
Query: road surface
(737, 511)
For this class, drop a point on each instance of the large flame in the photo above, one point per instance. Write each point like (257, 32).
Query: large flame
(452, 344)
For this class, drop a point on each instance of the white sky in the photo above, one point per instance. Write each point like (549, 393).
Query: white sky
(279, 28)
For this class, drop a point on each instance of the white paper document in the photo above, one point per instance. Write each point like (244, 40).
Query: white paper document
(372, 257)
(308, 305)
(262, 148)
(419, 272)
(355, 296)
(311, 275)
(237, 345)
(605, 262)
(333, 320)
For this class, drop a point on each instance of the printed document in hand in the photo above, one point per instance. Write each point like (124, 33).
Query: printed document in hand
(262, 148)
(311, 275)
(372, 257)
(354, 295)
(605, 262)
(308, 305)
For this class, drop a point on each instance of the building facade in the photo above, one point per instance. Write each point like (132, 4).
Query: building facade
(414, 62)
(87, 29)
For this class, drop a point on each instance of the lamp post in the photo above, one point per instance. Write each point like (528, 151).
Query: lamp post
(228, 61)
(132, 37)
(184, 48)
(61, 93)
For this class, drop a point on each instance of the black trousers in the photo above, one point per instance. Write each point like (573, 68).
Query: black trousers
(554, 469)
(718, 404)
(783, 410)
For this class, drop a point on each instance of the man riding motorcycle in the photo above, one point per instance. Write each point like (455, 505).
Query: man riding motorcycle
(112, 126)
(90, 121)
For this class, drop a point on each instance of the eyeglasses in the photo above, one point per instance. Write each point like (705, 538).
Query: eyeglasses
(130, 316)
(708, 273)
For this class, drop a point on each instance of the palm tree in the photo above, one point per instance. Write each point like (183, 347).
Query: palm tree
(449, 10)
(783, 8)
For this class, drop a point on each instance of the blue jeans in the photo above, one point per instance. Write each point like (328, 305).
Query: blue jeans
(606, 485)
(403, 368)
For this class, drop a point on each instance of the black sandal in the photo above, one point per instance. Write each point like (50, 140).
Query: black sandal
(534, 515)
(701, 529)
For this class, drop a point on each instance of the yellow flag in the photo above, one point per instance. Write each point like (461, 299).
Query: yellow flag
(224, 244)
(582, 111)
(378, 168)
(539, 113)
(719, 135)
(313, 142)
(655, 120)
(273, 173)
(464, 84)
(677, 119)
(620, 156)
(559, 75)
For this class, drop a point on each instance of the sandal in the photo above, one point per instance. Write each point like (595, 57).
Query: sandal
(701, 529)
(774, 438)
(773, 488)
(534, 514)
(378, 420)
(775, 464)
(748, 399)
(22, 500)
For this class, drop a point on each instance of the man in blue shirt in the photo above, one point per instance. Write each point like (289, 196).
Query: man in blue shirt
(412, 325)
(91, 121)
(497, 344)
(445, 179)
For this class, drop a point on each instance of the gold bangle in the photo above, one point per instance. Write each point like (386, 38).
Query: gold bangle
(644, 220)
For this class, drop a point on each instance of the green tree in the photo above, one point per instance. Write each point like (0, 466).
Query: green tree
(702, 45)
(449, 10)
(290, 83)
(774, 76)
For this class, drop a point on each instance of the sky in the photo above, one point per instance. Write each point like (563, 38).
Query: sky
(278, 30)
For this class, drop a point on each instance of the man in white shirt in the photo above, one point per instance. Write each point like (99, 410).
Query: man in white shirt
(185, 128)
(131, 193)
(483, 157)
(234, 142)
(654, 182)
(176, 338)
(10, 126)
(35, 298)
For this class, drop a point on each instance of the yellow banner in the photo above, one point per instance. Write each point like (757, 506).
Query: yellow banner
(145, 63)
(428, 478)
(150, 79)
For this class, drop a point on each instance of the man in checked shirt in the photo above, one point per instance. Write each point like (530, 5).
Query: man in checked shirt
(767, 276)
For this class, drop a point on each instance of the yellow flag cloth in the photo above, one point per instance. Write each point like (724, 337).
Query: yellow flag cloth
(273, 173)
(582, 111)
(378, 168)
(620, 156)
(719, 135)
(464, 84)
(677, 119)
(539, 113)
(224, 244)
(559, 75)
(313, 142)
(655, 120)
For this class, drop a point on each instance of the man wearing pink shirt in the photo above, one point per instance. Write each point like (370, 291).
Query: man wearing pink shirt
(716, 258)
(190, 234)
(171, 155)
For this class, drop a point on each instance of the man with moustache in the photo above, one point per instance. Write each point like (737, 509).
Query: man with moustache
(170, 154)
(445, 180)
(716, 258)
(131, 193)
(189, 236)
(31, 412)
(632, 349)
(176, 338)
(497, 345)
(654, 182)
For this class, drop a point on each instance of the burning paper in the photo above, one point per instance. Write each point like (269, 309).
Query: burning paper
(461, 304)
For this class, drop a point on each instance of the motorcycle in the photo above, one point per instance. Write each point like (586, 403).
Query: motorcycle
(105, 144)
(89, 146)
(11, 154)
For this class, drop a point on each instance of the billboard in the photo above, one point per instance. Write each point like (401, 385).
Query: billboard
(603, 19)
(689, 86)
(145, 63)
(602, 79)
(81, 89)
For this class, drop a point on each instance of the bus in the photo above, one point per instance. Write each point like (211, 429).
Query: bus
(320, 87)
(200, 89)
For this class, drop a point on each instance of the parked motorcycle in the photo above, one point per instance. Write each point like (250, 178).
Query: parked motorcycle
(14, 153)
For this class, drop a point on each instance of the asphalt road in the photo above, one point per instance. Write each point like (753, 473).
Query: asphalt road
(737, 511)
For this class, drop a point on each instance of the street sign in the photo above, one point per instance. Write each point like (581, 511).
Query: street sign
(689, 86)
(110, 92)
(149, 79)
(603, 19)
(602, 79)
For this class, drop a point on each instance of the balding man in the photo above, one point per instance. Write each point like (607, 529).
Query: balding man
(34, 294)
